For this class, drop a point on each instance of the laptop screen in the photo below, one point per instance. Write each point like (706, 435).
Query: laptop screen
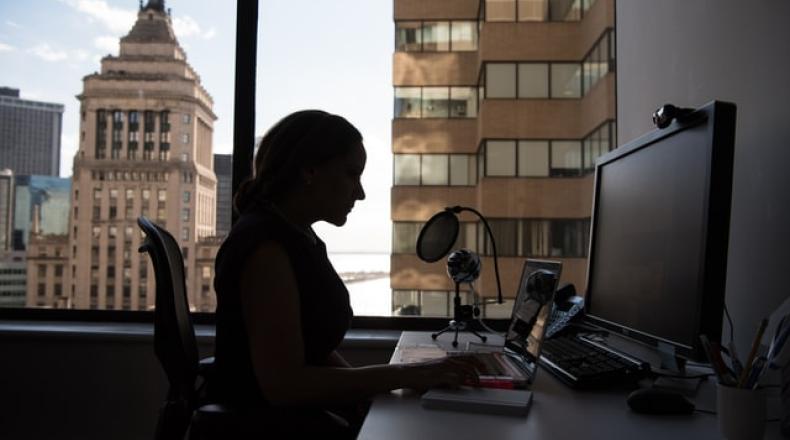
(531, 311)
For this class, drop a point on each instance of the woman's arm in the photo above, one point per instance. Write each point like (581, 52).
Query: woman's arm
(270, 304)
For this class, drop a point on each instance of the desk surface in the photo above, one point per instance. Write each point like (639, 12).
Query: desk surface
(557, 412)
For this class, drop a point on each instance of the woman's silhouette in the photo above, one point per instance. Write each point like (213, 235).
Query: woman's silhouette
(282, 310)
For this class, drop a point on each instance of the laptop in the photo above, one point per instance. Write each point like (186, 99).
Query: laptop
(515, 363)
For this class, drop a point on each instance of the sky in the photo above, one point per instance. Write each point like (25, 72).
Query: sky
(334, 55)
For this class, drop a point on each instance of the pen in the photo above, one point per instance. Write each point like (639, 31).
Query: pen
(715, 361)
(755, 345)
(756, 374)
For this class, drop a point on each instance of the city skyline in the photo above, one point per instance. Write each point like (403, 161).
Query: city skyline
(300, 74)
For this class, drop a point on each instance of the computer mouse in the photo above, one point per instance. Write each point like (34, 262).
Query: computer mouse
(659, 401)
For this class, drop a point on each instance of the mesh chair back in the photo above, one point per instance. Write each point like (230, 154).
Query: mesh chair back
(174, 335)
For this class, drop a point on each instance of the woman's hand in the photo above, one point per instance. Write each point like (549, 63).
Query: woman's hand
(445, 372)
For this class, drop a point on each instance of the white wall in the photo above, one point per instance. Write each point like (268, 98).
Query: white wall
(689, 52)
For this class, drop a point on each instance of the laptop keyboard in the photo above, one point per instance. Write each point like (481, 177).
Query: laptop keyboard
(581, 364)
(491, 366)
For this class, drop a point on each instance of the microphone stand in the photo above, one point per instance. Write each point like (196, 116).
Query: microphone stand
(463, 315)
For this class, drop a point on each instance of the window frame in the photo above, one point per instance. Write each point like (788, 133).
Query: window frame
(243, 133)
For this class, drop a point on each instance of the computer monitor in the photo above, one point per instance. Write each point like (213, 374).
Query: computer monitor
(659, 231)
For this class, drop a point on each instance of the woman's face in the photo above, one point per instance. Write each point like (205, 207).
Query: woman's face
(335, 185)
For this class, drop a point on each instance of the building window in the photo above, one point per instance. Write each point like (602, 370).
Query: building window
(434, 169)
(533, 80)
(404, 237)
(599, 61)
(566, 158)
(435, 102)
(185, 214)
(161, 195)
(185, 138)
(533, 158)
(436, 36)
(187, 195)
(407, 102)
(408, 36)
(535, 10)
(566, 81)
(500, 80)
(407, 169)
(500, 158)
(185, 234)
(186, 118)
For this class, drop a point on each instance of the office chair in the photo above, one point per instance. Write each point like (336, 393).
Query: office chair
(174, 335)
(185, 409)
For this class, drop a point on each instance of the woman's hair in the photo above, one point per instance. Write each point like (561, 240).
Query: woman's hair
(300, 140)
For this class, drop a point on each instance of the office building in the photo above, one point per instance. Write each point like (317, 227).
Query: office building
(223, 168)
(146, 127)
(29, 134)
(503, 106)
(13, 275)
(41, 205)
(6, 208)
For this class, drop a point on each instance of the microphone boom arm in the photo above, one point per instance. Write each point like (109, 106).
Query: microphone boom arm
(457, 210)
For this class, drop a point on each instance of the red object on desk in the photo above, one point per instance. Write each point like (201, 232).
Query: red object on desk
(506, 384)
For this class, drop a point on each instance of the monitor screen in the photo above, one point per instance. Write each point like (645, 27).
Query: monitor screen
(659, 232)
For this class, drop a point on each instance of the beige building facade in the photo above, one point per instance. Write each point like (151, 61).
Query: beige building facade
(146, 127)
(503, 106)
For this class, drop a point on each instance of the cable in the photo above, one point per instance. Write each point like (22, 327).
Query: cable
(706, 411)
(729, 319)
(680, 376)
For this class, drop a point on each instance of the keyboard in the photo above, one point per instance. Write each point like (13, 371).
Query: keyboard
(583, 363)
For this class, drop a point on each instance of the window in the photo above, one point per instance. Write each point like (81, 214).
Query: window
(463, 170)
(185, 234)
(404, 237)
(499, 158)
(185, 214)
(186, 118)
(463, 35)
(533, 158)
(407, 102)
(566, 158)
(533, 10)
(434, 169)
(500, 10)
(408, 36)
(186, 196)
(435, 101)
(533, 80)
(185, 138)
(407, 169)
(436, 36)
(463, 102)
(566, 80)
(161, 195)
(500, 80)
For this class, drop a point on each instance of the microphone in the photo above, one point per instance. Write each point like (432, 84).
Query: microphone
(440, 233)
(463, 266)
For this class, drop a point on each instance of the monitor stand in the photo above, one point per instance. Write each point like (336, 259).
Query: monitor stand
(686, 381)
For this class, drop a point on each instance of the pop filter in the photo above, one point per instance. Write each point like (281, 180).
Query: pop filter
(437, 236)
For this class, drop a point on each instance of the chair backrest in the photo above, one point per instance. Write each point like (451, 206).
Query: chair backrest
(174, 335)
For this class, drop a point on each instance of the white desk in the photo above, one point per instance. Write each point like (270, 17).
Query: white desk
(558, 412)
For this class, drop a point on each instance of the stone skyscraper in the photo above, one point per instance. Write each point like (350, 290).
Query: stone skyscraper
(146, 126)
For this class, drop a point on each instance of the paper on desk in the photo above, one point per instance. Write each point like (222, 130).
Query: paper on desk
(410, 355)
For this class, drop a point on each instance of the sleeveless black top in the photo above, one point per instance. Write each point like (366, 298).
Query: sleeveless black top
(325, 309)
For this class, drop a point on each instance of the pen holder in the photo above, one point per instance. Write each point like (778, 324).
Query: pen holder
(786, 400)
(741, 412)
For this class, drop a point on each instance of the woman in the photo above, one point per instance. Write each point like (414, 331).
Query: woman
(282, 310)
